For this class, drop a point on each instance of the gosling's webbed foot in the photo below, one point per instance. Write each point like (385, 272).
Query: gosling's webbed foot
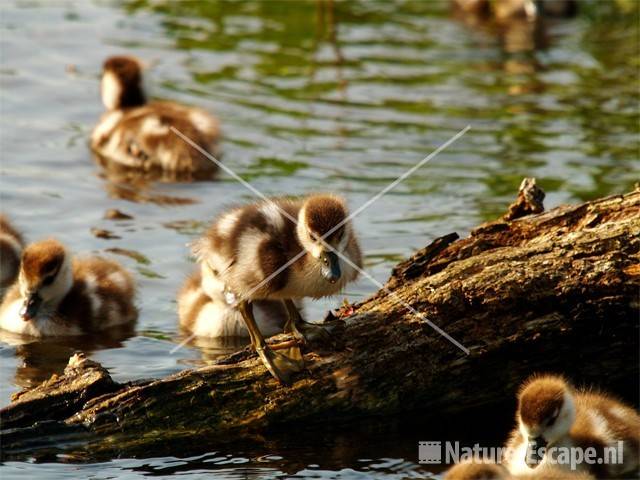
(302, 331)
(306, 332)
(282, 365)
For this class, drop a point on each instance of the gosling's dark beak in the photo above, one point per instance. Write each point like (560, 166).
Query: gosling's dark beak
(535, 451)
(331, 267)
(30, 307)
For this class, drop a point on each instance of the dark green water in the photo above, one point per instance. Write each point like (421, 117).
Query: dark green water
(312, 96)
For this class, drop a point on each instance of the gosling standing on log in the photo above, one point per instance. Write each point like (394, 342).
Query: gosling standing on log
(261, 253)
(136, 133)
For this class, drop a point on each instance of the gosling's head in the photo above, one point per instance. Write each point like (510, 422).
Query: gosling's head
(477, 470)
(45, 277)
(546, 412)
(506, 10)
(121, 84)
(324, 231)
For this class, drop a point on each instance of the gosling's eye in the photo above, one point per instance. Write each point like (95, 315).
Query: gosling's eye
(48, 280)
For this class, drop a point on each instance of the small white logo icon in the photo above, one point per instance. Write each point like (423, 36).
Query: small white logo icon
(430, 452)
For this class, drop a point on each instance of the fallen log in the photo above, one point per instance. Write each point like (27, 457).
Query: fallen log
(552, 291)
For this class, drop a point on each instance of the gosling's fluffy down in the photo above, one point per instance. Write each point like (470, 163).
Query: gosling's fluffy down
(58, 295)
(136, 133)
(206, 311)
(551, 411)
(484, 470)
(260, 253)
(11, 245)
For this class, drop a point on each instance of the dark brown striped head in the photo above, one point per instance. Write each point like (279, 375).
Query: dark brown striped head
(121, 85)
(541, 400)
(325, 216)
(324, 231)
(45, 275)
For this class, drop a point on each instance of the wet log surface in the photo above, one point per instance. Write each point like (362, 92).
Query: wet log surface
(553, 291)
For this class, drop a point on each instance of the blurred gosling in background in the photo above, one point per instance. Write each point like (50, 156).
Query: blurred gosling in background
(206, 311)
(135, 132)
(11, 245)
(508, 10)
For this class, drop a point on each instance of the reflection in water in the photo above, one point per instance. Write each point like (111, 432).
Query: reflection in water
(139, 189)
(118, 172)
(327, 31)
(211, 349)
(384, 447)
(42, 357)
(523, 35)
(521, 77)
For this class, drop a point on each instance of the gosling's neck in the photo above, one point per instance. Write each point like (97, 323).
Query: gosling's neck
(211, 284)
(54, 294)
(117, 94)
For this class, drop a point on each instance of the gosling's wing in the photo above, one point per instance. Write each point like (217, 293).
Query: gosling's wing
(143, 138)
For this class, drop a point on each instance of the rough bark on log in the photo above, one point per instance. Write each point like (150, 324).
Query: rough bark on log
(555, 291)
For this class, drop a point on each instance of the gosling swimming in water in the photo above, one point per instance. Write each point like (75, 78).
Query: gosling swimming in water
(484, 470)
(552, 413)
(259, 252)
(58, 295)
(136, 133)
